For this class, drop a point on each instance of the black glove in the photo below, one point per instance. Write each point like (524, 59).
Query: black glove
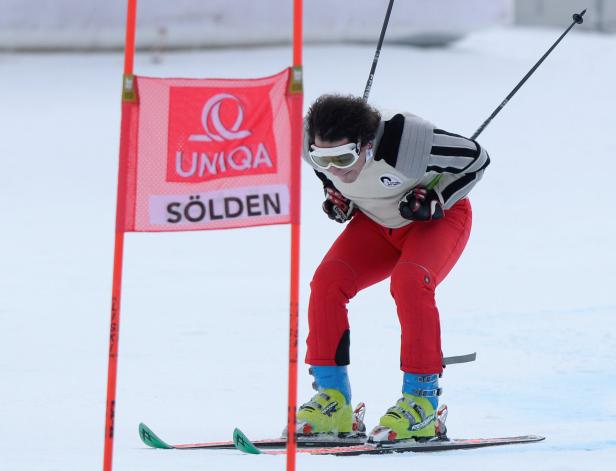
(421, 204)
(336, 206)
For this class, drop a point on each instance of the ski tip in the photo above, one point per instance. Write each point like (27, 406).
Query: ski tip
(151, 439)
(242, 443)
(528, 438)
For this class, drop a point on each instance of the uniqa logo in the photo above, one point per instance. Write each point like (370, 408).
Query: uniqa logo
(219, 134)
(211, 114)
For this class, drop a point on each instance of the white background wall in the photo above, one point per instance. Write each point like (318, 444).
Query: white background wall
(82, 24)
(601, 14)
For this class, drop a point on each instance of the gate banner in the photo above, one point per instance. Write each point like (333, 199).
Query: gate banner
(209, 153)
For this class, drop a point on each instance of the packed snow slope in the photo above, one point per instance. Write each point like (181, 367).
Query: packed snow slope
(204, 326)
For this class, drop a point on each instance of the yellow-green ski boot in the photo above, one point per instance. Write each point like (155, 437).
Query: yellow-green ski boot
(415, 414)
(411, 417)
(326, 413)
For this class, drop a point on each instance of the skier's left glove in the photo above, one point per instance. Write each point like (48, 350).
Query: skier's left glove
(421, 204)
(336, 206)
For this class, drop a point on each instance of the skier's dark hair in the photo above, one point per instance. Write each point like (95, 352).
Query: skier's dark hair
(335, 117)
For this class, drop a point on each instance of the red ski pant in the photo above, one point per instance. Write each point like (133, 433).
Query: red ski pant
(417, 257)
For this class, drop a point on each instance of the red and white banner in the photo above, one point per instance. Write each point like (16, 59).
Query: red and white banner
(209, 153)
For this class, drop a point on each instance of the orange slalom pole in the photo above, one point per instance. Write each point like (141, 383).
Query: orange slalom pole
(114, 333)
(297, 32)
(293, 339)
(129, 43)
(118, 255)
(297, 134)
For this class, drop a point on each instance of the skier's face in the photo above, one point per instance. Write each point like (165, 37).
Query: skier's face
(347, 175)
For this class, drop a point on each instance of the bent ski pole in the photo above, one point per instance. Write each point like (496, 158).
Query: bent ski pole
(578, 18)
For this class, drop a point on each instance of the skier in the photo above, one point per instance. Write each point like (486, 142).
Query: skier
(402, 185)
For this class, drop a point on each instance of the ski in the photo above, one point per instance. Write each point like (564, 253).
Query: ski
(357, 437)
(243, 444)
(149, 438)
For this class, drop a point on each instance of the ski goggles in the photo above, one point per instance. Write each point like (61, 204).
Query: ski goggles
(343, 156)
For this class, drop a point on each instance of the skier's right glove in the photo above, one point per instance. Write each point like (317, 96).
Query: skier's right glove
(336, 206)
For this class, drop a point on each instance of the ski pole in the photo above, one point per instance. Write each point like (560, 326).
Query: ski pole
(578, 18)
(378, 51)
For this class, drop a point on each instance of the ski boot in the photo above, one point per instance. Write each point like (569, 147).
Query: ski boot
(329, 414)
(305, 428)
(326, 413)
(415, 415)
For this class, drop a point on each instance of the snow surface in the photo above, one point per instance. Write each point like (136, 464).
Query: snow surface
(204, 315)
